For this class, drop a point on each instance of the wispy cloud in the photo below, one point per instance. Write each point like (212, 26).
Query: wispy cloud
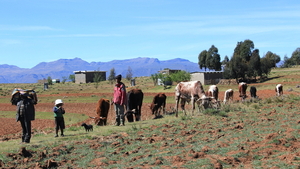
(9, 42)
(200, 28)
(252, 23)
(265, 19)
(81, 35)
(25, 28)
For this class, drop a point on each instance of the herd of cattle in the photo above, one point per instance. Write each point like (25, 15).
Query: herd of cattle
(184, 92)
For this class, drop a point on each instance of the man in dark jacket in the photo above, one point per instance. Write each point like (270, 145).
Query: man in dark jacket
(25, 114)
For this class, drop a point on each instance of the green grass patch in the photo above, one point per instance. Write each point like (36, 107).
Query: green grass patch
(253, 127)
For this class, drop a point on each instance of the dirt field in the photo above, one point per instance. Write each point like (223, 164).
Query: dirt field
(10, 128)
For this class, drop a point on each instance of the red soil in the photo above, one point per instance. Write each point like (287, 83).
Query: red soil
(10, 129)
(10, 126)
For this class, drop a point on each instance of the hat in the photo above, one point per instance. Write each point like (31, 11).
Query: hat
(58, 101)
(118, 77)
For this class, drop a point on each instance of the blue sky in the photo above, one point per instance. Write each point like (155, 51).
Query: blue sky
(34, 31)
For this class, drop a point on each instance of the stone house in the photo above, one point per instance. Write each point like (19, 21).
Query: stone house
(207, 78)
(88, 76)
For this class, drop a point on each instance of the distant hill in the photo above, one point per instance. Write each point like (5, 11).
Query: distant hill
(65, 67)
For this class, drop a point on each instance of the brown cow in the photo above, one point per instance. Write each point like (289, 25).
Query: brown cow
(158, 103)
(228, 95)
(190, 91)
(279, 90)
(242, 89)
(102, 112)
(135, 101)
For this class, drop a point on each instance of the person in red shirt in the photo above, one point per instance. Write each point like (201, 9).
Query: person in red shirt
(119, 100)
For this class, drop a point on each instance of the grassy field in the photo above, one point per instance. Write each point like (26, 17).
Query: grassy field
(253, 134)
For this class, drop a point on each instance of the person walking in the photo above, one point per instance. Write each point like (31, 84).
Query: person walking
(25, 111)
(119, 100)
(59, 112)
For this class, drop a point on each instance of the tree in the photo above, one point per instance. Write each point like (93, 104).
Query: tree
(64, 79)
(295, 58)
(266, 65)
(210, 59)
(164, 78)
(227, 74)
(154, 78)
(72, 78)
(202, 59)
(213, 59)
(180, 76)
(287, 62)
(273, 58)
(49, 79)
(245, 50)
(225, 61)
(112, 75)
(97, 78)
(129, 74)
(254, 67)
(239, 66)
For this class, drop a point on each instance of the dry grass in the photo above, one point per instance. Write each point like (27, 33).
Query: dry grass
(254, 134)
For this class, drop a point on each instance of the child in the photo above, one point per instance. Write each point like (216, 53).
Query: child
(59, 118)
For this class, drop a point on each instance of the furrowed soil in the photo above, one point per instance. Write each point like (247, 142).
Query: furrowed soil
(241, 157)
(10, 126)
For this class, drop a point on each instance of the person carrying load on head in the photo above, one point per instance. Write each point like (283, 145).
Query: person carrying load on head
(25, 101)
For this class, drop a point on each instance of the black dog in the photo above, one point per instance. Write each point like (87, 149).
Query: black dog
(87, 127)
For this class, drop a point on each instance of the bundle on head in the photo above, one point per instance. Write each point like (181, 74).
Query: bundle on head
(87, 127)
(19, 93)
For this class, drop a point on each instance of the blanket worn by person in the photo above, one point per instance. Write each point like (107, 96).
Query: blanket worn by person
(25, 114)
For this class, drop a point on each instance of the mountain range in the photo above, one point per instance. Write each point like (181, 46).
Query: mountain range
(141, 66)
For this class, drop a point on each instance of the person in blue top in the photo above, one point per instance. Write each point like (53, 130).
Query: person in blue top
(59, 111)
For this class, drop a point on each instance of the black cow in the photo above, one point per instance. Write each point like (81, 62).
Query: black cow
(130, 115)
(134, 102)
(253, 92)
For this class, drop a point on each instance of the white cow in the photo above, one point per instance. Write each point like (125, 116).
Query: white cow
(228, 95)
(213, 91)
(190, 91)
(279, 90)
